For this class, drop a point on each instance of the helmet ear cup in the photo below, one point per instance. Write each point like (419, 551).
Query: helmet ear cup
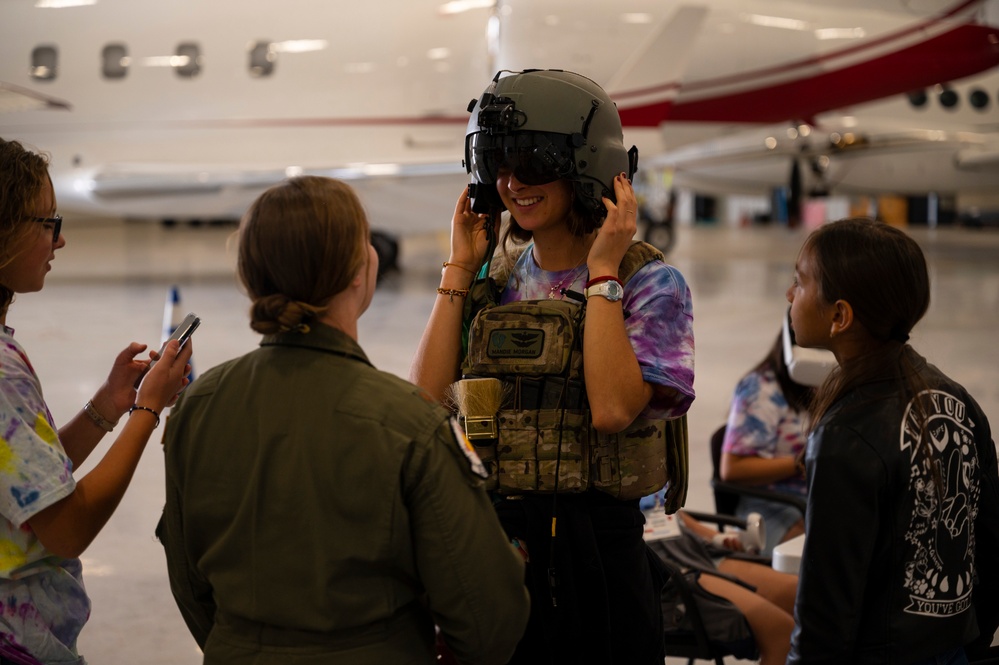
(485, 199)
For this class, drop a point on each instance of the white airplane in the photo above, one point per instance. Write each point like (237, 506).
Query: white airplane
(189, 108)
(941, 142)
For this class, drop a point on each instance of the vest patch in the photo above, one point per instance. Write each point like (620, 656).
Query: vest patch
(516, 343)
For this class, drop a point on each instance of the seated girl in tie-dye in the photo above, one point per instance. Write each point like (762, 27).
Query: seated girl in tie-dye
(765, 438)
(47, 518)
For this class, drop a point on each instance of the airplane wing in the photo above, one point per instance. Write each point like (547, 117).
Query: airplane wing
(389, 191)
(15, 98)
(130, 180)
(840, 156)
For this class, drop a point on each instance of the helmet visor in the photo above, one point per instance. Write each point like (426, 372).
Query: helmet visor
(534, 158)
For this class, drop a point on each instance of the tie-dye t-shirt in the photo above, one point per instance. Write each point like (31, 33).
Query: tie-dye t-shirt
(43, 604)
(658, 318)
(762, 424)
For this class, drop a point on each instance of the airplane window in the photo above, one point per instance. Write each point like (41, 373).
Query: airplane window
(949, 99)
(44, 61)
(917, 98)
(114, 61)
(979, 99)
(262, 59)
(188, 60)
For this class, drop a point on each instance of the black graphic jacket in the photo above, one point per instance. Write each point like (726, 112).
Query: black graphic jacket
(895, 569)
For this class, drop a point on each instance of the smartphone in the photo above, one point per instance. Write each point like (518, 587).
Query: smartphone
(181, 333)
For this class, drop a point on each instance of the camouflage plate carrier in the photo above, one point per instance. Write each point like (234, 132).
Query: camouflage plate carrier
(535, 348)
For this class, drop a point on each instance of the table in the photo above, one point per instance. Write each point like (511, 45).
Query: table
(787, 555)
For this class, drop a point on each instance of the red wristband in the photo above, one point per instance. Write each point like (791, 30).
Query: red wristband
(601, 279)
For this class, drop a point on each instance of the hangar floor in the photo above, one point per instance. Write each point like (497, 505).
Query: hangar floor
(109, 284)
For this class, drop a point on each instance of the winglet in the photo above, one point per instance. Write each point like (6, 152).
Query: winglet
(653, 73)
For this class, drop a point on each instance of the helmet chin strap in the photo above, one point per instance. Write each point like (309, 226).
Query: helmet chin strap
(482, 275)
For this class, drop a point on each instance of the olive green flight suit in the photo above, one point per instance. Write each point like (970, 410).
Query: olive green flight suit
(321, 511)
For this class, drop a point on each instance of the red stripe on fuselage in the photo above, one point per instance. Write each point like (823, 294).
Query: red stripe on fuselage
(966, 50)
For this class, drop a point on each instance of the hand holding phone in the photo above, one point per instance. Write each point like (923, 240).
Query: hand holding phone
(182, 333)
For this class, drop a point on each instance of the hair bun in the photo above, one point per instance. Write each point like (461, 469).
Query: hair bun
(278, 313)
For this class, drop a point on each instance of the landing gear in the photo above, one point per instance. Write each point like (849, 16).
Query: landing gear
(660, 235)
(196, 222)
(387, 249)
(659, 230)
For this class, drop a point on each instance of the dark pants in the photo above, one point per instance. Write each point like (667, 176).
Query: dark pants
(951, 657)
(7, 661)
(606, 605)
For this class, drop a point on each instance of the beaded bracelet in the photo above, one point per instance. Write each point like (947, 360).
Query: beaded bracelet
(136, 407)
(451, 293)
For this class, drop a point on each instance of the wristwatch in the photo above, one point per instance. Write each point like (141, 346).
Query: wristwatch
(611, 289)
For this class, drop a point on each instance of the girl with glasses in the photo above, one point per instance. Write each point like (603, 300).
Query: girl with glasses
(48, 517)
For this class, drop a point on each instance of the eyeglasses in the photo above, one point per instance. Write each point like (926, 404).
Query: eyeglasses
(56, 225)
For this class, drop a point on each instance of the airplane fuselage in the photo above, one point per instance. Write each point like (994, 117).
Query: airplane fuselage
(189, 109)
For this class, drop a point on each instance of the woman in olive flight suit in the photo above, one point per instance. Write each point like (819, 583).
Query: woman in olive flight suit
(319, 510)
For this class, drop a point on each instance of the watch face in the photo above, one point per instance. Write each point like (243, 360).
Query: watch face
(614, 291)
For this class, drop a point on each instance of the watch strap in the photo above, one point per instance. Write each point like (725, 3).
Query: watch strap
(98, 419)
(612, 292)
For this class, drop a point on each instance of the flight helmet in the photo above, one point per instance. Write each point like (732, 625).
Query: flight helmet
(545, 124)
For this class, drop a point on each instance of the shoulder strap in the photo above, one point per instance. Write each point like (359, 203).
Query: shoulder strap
(500, 269)
(639, 254)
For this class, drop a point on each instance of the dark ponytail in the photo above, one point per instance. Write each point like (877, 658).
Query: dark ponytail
(881, 272)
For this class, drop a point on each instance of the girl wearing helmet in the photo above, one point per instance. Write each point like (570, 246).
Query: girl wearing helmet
(547, 147)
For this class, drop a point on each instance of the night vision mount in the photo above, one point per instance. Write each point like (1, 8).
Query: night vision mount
(498, 115)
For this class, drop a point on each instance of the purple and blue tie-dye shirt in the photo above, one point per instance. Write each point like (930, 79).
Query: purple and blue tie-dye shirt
(43, 605)
(762, 424)
(658, 318)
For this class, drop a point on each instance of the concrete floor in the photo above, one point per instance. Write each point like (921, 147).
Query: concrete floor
(109, 285)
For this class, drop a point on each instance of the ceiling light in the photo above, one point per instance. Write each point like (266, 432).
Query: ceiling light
(459, 6)
(60, 4)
